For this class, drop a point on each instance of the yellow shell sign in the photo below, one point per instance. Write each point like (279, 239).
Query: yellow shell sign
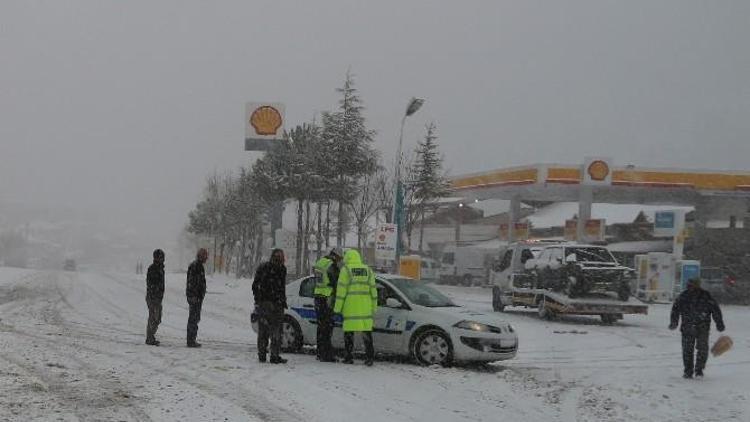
(266, 120)
(598, 170)
(264, 125)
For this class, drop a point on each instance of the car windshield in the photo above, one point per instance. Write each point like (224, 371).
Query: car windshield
(590, 254)
(420, 294)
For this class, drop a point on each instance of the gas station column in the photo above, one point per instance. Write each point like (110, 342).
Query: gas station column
(513, 215)
(585, 200)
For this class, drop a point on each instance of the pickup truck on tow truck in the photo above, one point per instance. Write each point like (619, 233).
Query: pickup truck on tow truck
(515, 282)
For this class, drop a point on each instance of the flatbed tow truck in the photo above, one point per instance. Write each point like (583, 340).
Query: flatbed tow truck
(512, 287)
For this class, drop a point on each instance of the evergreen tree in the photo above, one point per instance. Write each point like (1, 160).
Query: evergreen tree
(429, 183)
(348, 147)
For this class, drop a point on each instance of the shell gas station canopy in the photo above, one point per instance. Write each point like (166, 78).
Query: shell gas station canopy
(603, 183)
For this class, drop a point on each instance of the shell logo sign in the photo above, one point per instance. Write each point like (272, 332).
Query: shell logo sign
(266, 120)
(597, 171)
(264, 125)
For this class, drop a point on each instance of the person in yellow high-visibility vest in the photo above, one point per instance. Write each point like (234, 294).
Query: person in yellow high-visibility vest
(327, 272)
(356, 301)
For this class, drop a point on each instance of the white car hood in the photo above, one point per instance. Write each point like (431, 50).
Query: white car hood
(459, 313)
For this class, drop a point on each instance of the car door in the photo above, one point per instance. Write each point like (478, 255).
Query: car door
(303, 306)
(389, 323)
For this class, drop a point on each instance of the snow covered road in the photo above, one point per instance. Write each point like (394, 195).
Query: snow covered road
(71, 348)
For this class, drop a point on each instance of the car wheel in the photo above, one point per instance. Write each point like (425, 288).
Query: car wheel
(433, 347)
(497, 303)
(609, 319)
(291, 336)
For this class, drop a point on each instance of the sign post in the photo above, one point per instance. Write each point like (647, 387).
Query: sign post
(385, 242)
(264, 129)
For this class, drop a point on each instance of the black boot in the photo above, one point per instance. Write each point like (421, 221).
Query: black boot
(262, 357)
(687, 375)
(152, 341)
(194, 344)
(278, 359)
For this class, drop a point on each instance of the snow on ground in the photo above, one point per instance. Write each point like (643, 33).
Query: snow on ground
(71, 348)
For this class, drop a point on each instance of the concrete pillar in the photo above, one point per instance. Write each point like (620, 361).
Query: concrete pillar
(514, 214)
(585, 200)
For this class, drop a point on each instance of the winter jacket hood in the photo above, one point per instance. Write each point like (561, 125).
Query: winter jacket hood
(352, 257)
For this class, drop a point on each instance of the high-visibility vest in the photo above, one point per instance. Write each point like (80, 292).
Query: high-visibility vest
(356, 294)
(323, 286)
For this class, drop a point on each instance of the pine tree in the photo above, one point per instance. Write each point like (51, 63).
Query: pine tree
(348, 146)
(429, 183)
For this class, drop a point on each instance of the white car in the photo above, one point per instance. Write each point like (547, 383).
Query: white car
(413, 320)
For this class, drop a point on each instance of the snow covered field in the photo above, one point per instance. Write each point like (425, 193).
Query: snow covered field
(71, 348)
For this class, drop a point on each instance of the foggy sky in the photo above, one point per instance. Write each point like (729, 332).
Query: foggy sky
(119, 110)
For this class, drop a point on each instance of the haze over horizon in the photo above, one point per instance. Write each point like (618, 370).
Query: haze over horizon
(117, 112)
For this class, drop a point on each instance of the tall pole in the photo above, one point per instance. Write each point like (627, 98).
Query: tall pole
(398, 204)
(398, 207)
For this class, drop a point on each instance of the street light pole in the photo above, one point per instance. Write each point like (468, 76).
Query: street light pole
(398, 207)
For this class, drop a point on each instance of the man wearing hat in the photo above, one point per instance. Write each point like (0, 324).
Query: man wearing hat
(695, 307)
(327, 273)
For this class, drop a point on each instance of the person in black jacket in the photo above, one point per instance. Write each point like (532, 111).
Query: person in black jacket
(154, 296)
(195, 291)
(269, 294)
(695, 307)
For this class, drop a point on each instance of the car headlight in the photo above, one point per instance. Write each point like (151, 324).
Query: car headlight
(477, 326)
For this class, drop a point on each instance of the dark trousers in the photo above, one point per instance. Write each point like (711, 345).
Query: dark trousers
(194, 317)
(270, 319)
(325, 328)
(154, 318)
(349, 345)
(695, 339)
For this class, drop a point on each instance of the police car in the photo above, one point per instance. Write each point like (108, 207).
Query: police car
(412, 320)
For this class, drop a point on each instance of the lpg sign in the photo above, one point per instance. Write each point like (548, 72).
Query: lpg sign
(385, 242)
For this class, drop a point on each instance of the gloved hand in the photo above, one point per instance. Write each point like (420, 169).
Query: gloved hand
(674, 327)
(720, 327)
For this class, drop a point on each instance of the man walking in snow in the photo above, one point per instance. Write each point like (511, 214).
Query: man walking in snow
(356, 301)
(195, 290)
(327, 273)
(695, 307)
(269, 295)
(154, 296)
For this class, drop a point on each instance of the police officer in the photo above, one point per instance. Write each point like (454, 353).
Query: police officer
(327, 272)
(154, 296)
(195, 291)
(356, 301)
(695, 307)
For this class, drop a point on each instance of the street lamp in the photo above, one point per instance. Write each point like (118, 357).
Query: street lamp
(398, 207)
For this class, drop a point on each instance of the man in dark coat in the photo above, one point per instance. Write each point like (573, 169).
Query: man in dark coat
(695, 307)
(195, 292)
(269, 294)
(154, 296)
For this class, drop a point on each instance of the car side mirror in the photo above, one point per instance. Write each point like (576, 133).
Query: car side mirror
(392, 302)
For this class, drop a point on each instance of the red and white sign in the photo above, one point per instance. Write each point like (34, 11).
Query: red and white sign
(385, 242)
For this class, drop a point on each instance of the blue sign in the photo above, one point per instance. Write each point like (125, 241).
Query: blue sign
(664, 220)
